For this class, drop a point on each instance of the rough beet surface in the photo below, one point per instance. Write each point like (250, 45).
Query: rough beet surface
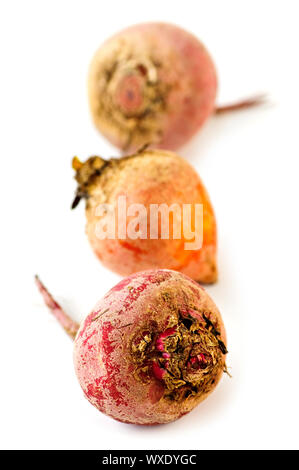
(151, 83)
(152, 349)
(149, 177)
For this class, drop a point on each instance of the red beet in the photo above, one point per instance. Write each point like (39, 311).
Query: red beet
(153, 84)
(151, 350)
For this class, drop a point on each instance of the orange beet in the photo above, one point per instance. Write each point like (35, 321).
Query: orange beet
(147, 178)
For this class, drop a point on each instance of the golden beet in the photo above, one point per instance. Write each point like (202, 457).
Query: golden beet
(149, 178)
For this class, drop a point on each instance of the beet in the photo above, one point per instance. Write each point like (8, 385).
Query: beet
(151, 350)
(148, 177)
(155, 84)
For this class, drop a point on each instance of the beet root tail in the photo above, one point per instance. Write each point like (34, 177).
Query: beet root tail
(251, 102)
(69, 325)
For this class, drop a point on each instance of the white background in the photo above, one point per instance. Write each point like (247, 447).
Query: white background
(249, 164)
